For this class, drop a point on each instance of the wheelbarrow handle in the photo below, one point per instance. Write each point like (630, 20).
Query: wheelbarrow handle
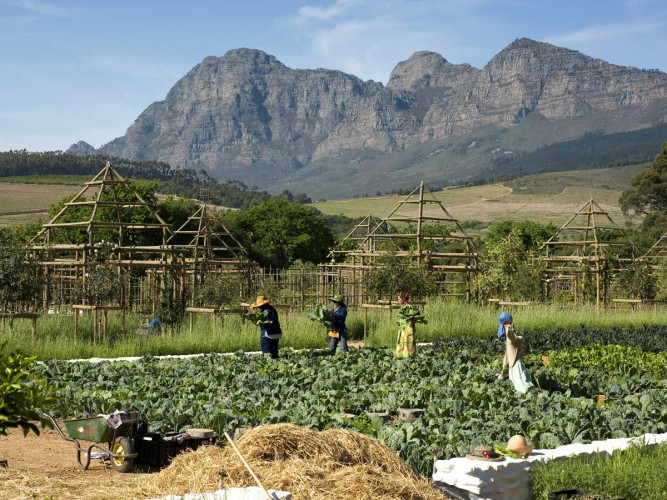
(60, 431)
(72, 440)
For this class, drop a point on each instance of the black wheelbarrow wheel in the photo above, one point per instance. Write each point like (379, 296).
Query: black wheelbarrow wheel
(122, 446)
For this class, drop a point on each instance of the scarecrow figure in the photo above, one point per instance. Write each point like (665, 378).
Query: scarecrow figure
(270, 332)
(339, 331)
(513, 359)
(406, 344)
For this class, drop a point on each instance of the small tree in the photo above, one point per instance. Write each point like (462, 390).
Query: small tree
(661, 285)
(392, 274)
(19, 274)
(638, 281)
(22, 395)
(510, 273)
(220, 290)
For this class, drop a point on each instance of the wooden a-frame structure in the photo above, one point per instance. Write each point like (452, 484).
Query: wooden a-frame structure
(419, 211)
(579, 248)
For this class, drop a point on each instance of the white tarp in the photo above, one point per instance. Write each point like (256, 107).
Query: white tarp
(509, 479)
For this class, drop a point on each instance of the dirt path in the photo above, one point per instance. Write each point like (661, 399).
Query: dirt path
(45, 466)
(481, 200)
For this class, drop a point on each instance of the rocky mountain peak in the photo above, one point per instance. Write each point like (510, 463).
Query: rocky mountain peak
(81, 148)
(427, 69)
(247, 116)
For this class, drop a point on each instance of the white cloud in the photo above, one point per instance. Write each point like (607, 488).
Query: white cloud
(41, 8)
(308, 12)
(605, 32)
(369, 37)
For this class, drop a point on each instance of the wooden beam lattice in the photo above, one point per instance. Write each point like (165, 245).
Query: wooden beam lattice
(108, 179)
(203, 231)
(657, 252)
(578, 247)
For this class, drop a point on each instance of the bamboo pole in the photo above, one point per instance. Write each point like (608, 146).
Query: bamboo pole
(247, 466)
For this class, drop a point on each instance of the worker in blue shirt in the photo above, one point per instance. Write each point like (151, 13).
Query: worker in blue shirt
(270, 332)
(339, 332)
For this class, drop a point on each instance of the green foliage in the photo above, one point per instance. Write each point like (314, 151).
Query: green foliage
(455, 382)
(392, 274)
(509, 272)
(219, 290)
(649, 192)
(279, 232)
(102, 285)
(532, 234)
(411, 315)
(22, 394)
(661, 284)
(257, 317)
(637, 281)
(637, 473)
(322, 315)
(19, 274)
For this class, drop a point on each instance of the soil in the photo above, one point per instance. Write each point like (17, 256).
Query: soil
(45, 466)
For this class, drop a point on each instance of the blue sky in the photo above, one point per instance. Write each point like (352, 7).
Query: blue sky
(84, 70)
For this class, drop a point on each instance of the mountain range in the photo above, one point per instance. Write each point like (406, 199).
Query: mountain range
(247, 116)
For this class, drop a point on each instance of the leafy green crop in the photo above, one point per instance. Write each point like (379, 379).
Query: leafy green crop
(322, 315)
(455, 382)
(411, 314)
(257, 318)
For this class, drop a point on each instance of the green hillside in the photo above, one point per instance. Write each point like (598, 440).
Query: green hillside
(549, 197)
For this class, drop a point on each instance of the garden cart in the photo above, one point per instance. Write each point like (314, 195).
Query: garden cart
(110, 434)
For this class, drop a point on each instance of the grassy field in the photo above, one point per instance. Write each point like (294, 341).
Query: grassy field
(445, 320)
(20, 203)
(65, 180)
(549, 197)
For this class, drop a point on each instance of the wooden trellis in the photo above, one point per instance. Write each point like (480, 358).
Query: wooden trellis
(112, 208)
(578, 248)
(418, 211)
(208, 247)
(657, 253)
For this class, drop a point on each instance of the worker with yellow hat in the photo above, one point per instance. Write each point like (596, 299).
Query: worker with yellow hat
(269, 326)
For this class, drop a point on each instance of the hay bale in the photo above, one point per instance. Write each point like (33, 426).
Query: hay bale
(340, 464)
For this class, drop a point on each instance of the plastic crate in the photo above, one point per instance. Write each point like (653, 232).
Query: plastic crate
(154, 451)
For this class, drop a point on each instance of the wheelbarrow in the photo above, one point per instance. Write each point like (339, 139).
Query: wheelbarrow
(112, 439)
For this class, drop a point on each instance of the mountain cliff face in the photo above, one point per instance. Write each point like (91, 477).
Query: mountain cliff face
(247, 116)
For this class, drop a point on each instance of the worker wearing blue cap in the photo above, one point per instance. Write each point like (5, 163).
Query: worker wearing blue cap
(513, 360)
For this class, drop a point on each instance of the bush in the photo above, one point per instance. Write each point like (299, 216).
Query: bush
(21, 394)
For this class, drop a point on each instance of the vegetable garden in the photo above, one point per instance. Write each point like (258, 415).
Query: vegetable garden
(454, 381)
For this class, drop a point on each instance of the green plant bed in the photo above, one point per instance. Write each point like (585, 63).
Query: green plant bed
(637, 473)
(465, 404)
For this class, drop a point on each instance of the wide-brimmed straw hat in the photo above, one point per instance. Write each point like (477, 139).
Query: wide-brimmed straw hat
(338, 299)
(261, 300)
(485, 454)
(518, 445)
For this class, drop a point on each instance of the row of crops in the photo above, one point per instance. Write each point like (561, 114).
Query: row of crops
(454, 381)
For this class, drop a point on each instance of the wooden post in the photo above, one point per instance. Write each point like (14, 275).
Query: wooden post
(76, 323)
(122, 315)
(94, 325)
(105, 324)
(34, 328)
(365, 322)
(192, 322)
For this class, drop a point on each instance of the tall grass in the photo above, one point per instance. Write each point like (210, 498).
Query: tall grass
(55, 333)
(638, 473)
(450, 319)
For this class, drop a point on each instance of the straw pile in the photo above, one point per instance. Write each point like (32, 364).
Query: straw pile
(339, 464)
